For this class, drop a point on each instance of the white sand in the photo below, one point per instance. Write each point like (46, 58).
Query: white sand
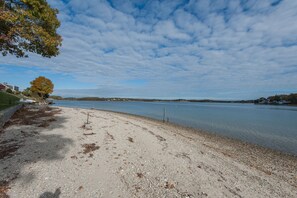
(159, 160)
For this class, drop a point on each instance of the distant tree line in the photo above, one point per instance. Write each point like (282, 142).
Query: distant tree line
(146, 100)
(278, 99)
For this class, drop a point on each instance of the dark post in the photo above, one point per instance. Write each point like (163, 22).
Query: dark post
(164, 114)
(88, 118)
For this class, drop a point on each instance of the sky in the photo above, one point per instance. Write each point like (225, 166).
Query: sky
(216, 49)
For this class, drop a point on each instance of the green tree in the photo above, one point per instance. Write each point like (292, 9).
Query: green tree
(275, 98)
(292, 98)
(28, 26)
(26, 92)
(9, 91)
(42, 87)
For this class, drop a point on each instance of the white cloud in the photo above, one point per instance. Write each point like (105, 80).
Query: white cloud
(168, 29)
(190, 48)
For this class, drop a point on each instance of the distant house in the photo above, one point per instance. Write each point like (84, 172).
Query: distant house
(2, 87)
(16, 88)
(283, 102)
(8, 86)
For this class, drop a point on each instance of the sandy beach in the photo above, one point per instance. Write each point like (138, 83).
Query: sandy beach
(53, 152)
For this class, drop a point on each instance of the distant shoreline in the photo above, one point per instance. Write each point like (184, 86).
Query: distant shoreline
(178, 100)
(290, 100)
(151, 100)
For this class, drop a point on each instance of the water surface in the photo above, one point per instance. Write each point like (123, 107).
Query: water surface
(269, 126)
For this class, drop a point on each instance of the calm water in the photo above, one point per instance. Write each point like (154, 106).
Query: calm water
(270, 126)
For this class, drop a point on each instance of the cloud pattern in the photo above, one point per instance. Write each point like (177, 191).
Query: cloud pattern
(225, 49)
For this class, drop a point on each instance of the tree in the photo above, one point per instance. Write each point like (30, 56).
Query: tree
(28, 26)
(9, 91)
(276, 98)
(26, 92)
(42, 87)
(292, 98)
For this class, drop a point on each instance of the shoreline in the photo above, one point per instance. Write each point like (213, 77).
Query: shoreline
(237, 143)
(53, 151)
(208, 134)
(176, 100)
(185, 101)
(243, 154)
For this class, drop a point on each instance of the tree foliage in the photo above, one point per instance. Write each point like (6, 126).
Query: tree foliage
(26, 92)
(291, 98)
(42, 86)
(28, 26)
(9, 91)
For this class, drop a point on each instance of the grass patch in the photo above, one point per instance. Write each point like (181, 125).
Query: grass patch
(7, 100)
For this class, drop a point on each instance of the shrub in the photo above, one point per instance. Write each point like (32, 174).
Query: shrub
(9, 91)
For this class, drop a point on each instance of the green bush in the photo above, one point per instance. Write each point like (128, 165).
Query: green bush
(9, 91)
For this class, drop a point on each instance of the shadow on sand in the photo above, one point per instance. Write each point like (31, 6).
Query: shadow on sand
(56, 194)
(28, 138)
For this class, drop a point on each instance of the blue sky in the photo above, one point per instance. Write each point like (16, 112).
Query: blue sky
(218, 49)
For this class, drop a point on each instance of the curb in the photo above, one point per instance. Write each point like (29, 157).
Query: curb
(6, 114)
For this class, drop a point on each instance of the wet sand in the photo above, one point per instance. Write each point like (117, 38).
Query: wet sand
(55, 153)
